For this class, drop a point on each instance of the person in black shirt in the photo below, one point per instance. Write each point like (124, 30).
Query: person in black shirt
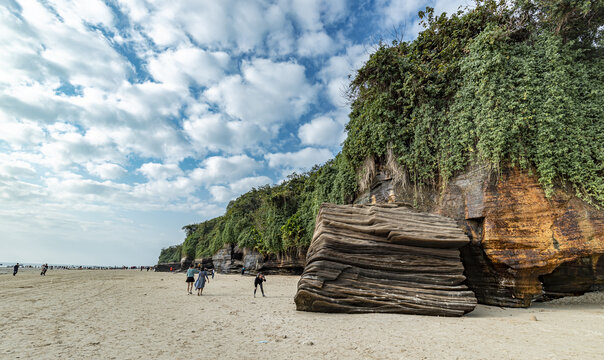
(258, 281)
(15, 269)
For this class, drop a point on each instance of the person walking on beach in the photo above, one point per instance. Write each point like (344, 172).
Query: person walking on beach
(242, 270)
(191, 278)
(44, 269)
(15, 269)
(201, 281)
(258, 281)
(213, 273)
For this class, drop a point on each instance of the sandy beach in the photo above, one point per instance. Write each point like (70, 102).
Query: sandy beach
(129, 314)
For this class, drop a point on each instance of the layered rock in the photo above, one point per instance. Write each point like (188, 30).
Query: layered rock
(524, 246)
(384, 258)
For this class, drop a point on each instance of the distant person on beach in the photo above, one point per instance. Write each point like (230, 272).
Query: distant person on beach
(258, 281)
(44, 269)
(242, 270)
(191, 278)
(213, 271)
(15, 269)
(201, 281)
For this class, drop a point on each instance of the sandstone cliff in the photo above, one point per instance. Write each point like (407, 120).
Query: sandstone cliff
(524, 246)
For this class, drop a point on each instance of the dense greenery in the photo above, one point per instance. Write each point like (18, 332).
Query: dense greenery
(510, 84)
(170, 254)
(519, 85)
(272, 219)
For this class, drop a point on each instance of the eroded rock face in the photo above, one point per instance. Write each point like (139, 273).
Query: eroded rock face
(384, 258)
(231, 259)
(524, 246)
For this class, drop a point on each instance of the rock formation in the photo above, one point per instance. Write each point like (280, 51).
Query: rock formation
(524, 246)
(384, 258)
(165, 267)
(231, 258)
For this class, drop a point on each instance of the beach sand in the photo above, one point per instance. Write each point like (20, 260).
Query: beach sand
(129, 314)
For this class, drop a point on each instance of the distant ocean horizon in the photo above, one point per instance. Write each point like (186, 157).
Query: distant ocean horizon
(11, 264)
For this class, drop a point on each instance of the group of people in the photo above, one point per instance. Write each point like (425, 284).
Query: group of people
(203, 277)
(43, 271)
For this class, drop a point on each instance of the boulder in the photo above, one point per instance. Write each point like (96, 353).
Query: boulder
(524, 246)
(384, 258)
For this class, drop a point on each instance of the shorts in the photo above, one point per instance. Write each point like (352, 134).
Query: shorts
(190, 279)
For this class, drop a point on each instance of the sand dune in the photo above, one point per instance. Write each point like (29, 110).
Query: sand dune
(128, 314)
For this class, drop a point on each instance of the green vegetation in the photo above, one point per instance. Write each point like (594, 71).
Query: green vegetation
(518, 84)
(170, 254)
(271, 219)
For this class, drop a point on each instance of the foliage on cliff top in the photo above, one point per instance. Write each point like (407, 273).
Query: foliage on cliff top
(519, 84)
(272, 219)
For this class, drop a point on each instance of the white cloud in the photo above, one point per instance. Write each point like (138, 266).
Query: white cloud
(214, 132)
(106, 171)
(265, 93)
(226, 193)
(160, 171)
(20, 133)
(396, 12)
(221, 170)
(299, 160)
(323, 131)
(315, 43)
(15, 168)
(189, 64)
(337, 69)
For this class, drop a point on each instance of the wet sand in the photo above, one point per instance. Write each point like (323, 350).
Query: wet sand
(129, 314)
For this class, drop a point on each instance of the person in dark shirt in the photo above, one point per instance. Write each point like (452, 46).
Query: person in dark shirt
(258, 281)
(15, 269)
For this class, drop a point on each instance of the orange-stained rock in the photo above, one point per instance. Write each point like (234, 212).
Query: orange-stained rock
(524, 246)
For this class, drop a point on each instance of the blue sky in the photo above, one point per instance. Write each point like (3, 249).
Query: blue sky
(122, 121)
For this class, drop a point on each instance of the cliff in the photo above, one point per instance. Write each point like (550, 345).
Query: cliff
(524, 246)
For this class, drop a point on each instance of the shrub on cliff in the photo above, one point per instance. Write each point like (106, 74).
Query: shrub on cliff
(518, 84)
(274, 219)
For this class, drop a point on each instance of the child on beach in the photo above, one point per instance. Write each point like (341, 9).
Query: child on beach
(258, 281)
(201, 281)
(191, 278)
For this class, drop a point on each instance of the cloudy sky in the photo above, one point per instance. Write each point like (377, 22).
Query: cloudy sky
(123, 120)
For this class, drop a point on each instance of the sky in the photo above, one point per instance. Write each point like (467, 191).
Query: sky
(122, 121)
